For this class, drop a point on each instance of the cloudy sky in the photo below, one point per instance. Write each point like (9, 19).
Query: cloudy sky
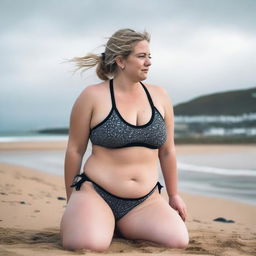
(198, 47)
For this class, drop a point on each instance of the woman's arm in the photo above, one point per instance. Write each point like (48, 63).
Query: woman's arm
(167, 158)
(78, 136)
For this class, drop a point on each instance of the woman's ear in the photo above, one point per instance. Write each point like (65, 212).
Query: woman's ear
(120, 62)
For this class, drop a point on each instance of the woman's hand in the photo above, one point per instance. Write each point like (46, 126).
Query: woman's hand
(178, 204)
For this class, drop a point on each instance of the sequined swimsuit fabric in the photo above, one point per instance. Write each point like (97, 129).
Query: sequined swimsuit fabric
(115, 132)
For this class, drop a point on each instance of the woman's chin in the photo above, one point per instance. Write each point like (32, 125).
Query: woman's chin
(143, 77)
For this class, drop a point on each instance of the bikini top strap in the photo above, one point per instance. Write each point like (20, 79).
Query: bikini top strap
(113, 96)
(112, 93)
(148, 95)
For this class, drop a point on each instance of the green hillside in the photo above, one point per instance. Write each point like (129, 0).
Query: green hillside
(225, 103)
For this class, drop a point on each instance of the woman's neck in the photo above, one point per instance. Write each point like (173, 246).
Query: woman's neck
(125, 84)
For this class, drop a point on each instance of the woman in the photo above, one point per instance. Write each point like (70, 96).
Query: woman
(130, 125)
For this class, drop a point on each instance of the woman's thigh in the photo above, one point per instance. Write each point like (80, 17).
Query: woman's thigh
(88, 222)
(154, 220)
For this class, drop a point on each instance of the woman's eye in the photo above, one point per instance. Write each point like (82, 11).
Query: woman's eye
(144, 56)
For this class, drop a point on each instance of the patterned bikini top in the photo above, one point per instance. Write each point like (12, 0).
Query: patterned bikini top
(115, 132)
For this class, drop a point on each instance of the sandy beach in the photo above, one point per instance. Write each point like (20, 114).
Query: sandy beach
(32, 204)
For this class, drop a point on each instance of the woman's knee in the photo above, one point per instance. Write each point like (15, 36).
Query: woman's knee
(74, 244)
(178, 240)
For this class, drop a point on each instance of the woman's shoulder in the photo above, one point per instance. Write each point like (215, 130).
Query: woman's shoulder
(158, 91)
(90, 94)
(92, 91)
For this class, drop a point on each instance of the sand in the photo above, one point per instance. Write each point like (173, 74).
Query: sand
(31, 209)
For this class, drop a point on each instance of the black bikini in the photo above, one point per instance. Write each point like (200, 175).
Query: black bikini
(119, 205)
(114, 132)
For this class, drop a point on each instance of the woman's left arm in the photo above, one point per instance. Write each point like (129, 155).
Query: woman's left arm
(167, 158)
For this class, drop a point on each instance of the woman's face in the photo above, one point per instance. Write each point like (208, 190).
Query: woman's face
(137, 64)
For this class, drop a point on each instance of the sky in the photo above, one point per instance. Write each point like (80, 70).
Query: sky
(197, 46)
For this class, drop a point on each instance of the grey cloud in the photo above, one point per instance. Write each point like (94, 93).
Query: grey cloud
(81, 16)
(37, 35)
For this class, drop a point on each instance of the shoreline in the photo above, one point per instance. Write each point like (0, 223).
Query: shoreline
(212, 170)
(183, 148)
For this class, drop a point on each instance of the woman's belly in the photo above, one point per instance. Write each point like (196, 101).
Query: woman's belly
(127, 172)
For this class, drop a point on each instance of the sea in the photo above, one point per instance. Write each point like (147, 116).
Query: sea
(225, 175)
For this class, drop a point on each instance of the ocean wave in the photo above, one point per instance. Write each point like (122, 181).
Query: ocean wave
(215, 170)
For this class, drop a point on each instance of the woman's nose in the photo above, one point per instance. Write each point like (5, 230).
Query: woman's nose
(148, 62)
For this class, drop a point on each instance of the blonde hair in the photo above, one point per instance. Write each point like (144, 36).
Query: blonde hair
(121, 43)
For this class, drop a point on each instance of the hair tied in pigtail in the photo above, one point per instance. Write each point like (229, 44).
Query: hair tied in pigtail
(103, 56)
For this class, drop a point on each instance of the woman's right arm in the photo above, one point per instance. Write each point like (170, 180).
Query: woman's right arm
(79, 130)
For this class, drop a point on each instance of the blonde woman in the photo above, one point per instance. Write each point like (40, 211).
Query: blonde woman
(130, 126)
